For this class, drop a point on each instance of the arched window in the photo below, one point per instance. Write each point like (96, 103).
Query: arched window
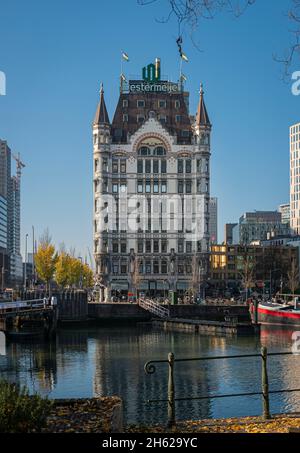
(144, 151)
(159, 151)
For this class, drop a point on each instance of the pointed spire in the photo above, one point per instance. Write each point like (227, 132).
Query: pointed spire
(202, 118)
(101, 116)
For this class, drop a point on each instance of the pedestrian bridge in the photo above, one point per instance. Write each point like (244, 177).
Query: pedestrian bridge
(17, 306)
(17, 313)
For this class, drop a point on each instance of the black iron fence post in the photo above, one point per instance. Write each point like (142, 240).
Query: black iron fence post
(263, 393)
(265, 384)
(171, 391)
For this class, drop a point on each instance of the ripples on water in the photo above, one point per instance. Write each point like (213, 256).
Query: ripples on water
(109, 361)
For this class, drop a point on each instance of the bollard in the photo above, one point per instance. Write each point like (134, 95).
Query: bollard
(265, 385)
(171, 392)
(256, 312)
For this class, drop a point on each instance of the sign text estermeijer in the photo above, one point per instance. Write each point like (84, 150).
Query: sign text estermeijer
(151, 81)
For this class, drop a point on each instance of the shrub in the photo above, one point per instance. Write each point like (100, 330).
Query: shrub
(21, 412)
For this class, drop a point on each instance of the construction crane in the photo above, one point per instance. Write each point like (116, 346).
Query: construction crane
(20, 165)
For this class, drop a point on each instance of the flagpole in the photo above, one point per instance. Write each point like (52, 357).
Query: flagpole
(180, 73)
(121, 62)
(121, 82)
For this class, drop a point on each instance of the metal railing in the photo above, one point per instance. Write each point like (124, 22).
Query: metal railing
(26, 305)
(264, 393)
(154, 307)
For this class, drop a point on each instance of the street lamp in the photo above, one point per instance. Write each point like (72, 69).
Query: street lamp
(33, 260)
(2, 272)
(25, 265)
(80, 281)
(165, 287)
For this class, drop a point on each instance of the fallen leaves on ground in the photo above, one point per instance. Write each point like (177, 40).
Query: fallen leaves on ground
(277, 424)
(82, 416)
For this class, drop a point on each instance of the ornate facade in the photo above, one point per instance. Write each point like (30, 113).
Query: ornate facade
(151, 191)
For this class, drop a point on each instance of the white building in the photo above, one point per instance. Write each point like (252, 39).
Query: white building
(295, 177)
(213, 220)
(284, 210)
(151, 188)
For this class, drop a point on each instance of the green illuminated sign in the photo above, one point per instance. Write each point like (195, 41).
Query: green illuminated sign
(152, 82)
(151, 73)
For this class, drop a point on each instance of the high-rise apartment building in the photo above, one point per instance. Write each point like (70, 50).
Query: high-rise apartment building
(151, 188)
(10, 217)
(5, 171)
(16, 264)
(295, 178)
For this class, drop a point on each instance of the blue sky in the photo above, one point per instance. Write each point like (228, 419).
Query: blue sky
(55, 54)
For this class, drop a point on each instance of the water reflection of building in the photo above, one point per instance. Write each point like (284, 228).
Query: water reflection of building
(284, 371)
(31, 364)
(119, 370)
(37, 365)
(73, 342)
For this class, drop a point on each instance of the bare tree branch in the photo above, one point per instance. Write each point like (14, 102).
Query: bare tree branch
(289, 55)
(293, 277)
(247, 273)
(189, 13)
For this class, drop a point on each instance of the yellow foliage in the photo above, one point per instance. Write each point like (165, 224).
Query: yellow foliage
(70, 271)
(62, 269)
(45, 261)
(88, 276)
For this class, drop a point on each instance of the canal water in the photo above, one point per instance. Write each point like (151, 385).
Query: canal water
(98, 361)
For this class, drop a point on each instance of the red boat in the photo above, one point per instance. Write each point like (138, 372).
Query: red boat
(282, 313)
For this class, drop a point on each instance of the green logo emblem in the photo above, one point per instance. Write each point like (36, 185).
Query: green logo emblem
(151, 73)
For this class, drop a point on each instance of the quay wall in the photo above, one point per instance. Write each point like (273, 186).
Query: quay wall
(210, 312)
(119, 311)
(71, 305)
(206, 327)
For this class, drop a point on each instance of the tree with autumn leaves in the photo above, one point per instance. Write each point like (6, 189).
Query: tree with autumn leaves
(71, 272)
(45, 259)
(64, 268)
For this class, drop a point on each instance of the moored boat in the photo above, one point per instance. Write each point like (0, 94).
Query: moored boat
(282, 313)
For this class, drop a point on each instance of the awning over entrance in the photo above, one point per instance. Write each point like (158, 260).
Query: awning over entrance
(162, 285)
(182, 285)
(143, 286)
(158, 284)
(119, 285)
(152, 285)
